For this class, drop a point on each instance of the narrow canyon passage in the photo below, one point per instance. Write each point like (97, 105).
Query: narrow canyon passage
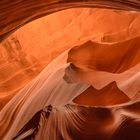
(69, 71)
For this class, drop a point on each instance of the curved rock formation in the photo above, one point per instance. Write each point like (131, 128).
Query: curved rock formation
(82, 123)
(30, 10)
(78, 56)
(109, 95)
(22, 59)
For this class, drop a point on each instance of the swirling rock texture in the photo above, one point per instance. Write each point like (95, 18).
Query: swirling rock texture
(105, 51)
(80, 122)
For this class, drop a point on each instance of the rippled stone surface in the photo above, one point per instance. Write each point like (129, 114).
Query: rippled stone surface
(105, 55)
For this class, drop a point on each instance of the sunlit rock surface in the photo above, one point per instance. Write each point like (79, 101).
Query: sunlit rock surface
(31, 48)
(105, 55)
(23, 12)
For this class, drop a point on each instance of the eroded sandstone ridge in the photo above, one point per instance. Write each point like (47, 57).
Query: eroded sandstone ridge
(77, 56)
(32, 47)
